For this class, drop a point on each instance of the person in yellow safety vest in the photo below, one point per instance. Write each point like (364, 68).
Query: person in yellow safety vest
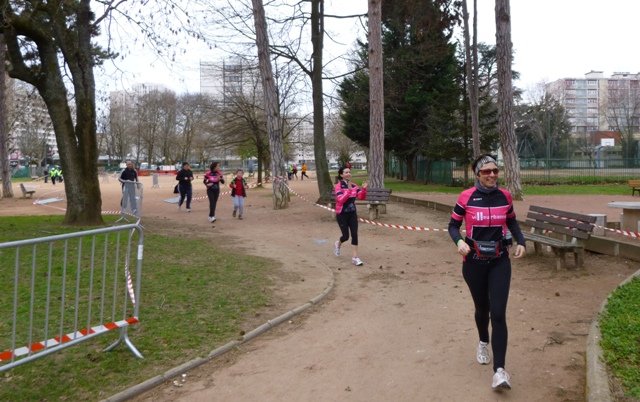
(53, 173)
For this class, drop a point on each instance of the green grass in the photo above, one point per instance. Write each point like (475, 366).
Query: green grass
(195, 296)
(620, 327)
(555, 189)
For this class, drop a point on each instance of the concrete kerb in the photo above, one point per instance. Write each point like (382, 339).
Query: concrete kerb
(597, 388)
(192, 364)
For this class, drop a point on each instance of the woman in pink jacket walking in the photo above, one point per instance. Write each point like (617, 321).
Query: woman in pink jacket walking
(346, 215)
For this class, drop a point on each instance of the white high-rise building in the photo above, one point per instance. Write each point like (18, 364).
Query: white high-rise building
(228, 77)
(30, 129)
(598, 103)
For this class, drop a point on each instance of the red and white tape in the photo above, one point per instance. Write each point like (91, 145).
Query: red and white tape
(386, 225)
(38, 346)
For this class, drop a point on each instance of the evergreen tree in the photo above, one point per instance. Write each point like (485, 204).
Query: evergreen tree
(421, 82)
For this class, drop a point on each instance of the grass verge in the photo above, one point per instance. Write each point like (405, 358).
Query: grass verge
(195, 296)
(620, 328)
(552, 189)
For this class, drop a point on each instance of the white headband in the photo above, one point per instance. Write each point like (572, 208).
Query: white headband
(486, 159)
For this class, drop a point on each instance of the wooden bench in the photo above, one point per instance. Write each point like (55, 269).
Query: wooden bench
(562, 231)
(27, 191)
(635, 187)
(376, 201)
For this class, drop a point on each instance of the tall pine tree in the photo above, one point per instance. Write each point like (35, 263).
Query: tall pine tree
(422, 91)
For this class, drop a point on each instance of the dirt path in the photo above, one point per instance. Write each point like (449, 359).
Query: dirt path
(398, 328)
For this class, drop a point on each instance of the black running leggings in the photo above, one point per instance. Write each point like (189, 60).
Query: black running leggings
(213, 193)
(348, 222)
(489, 283)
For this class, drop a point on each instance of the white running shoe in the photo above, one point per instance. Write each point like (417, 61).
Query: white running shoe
(213, 219)
(501, 380)
(336, 248)
(357, 261)
(482, 354)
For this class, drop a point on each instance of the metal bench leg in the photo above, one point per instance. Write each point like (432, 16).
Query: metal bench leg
(373, 212)
(537, 247)
(560, 260)
(579, 257)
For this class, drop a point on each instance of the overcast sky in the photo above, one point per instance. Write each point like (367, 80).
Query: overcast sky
(552, 39)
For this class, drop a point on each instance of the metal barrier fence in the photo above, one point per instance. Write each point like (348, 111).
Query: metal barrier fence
(539, 170)
(65, 289)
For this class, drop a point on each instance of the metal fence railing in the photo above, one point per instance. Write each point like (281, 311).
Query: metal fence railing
(540, 170)
(65, 289)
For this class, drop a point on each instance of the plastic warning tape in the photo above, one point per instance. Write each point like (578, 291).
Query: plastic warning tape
(385, 225)
(39, 346)
(633, 235)
(628, 233)
(204, 197)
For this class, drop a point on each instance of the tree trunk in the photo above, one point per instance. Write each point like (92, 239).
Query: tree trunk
(411, 170)
(471, 56)
(77, 145)
(5, 172)
(315, 73)
(375, 162)
(280, 191)
(319, 149)
(505, 99)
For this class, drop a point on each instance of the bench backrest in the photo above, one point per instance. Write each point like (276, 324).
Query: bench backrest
(634, 183)
(378, 194)
(25, 190)
(373, 194)
(568, 223)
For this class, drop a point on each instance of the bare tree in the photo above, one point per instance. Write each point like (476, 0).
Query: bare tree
(46, 44)
(339, 144)
(156, 121)
(7, 189)
(118, 136)
(245, 123)
(508, 139)
(280, 191)
(622, 107)
(293, 49)
(376, 96)
(471, 66)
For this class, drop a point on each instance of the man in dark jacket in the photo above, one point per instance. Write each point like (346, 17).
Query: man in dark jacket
(129, 180)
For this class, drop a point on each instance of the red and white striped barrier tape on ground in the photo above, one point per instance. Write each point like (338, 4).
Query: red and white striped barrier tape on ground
(205, 196)
(628, 233)
(38, 346)
(385, 225)
(633, 235)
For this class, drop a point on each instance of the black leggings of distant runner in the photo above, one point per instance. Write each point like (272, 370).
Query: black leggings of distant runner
(348, 222)
(489, 283)
(213, 193)
(185, 191)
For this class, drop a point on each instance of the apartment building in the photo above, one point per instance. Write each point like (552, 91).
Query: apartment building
(31, 135)
(597, 103)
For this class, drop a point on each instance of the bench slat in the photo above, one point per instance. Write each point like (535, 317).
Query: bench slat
(585, 227)
(559, 229)
(565, 214)
(540, 238)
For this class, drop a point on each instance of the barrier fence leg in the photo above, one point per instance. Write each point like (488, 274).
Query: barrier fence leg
(124, 337)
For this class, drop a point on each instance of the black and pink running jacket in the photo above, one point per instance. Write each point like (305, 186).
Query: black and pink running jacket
(487, 214)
